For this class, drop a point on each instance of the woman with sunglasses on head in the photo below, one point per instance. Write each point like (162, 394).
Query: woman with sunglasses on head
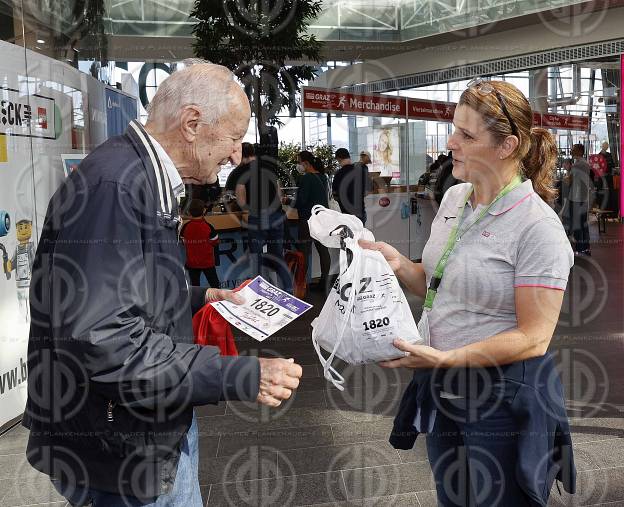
(493, 275)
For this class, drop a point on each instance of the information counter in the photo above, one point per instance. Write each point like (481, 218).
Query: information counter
(400, 216)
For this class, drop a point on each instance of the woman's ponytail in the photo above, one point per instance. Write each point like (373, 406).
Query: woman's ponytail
(539, 163)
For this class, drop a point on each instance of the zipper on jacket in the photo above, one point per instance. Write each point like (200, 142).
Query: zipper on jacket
(109, 411)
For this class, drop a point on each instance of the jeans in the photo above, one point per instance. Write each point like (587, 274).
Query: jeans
(268, 229)
(304, 245)
(473, 455)
(185, 492)
(580, 227)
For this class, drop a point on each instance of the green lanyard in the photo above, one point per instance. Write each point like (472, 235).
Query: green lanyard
(455, 236)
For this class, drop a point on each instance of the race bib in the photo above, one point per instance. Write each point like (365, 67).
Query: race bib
(266, 310)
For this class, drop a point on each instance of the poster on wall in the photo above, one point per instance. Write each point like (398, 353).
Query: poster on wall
(20, 119)
(43, 115)
(386, 151)
(121, 109)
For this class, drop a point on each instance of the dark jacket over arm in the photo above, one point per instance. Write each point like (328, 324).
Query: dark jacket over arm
(531, 389)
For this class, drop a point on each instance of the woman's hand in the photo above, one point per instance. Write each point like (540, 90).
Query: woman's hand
(411, 274)
(418, 356)
(391, 254)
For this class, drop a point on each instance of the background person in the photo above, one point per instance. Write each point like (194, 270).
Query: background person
(604, 151)
(580, 189)
(200, 239)
(313, 190)
(365, 158)
(132, 374)
(476, 387)
(445, 178)
(248, 154)
(350, 185)
(258, 192)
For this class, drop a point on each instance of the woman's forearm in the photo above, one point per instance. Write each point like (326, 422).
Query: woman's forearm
(503, 348)
(412, 275)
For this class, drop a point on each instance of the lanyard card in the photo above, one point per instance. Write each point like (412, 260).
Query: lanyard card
(266, 310)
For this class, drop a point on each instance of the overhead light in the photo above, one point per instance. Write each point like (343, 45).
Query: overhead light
(40, 41)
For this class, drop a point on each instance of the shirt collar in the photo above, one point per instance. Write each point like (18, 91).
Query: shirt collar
(514, 198)
(172, 172)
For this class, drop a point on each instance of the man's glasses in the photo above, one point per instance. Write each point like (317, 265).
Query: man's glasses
(483, 87)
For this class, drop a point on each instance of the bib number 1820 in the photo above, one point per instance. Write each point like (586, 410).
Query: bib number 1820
(265, 307)
(375, 323)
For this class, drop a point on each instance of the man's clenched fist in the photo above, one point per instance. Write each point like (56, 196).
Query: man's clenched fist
(278, 379)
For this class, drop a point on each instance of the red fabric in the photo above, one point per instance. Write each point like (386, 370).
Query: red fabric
(210, 328)
(200, 238)
(598, 164)
(295, 261)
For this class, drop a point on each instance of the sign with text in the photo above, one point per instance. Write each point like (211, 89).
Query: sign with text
(537, 119)
(563, 121)
(418, 109)
(26, 116)
(331, 101)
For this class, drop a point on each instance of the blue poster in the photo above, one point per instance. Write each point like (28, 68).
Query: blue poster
(121, 109)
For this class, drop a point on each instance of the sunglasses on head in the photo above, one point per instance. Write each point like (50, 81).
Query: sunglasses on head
(484, 87)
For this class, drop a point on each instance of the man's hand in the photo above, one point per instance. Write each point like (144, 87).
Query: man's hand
(213, 295)
(278, 378)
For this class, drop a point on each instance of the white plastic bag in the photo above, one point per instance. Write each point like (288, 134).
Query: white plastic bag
(333, 204)
(358, 326)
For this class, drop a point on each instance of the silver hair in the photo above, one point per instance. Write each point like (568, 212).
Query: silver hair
(201, 83)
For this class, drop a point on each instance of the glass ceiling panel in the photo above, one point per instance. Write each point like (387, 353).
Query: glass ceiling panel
(349, 20)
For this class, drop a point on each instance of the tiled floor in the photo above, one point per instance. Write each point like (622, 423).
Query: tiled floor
(326, 447)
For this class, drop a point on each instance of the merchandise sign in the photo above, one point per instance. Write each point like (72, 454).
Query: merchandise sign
(26, 116)
(331, 101)
(430, 110)
(562, 121)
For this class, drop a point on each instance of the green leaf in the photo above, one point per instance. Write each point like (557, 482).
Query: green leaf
(255, 40)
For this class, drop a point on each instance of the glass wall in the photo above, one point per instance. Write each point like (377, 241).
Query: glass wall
(346, 20)
(51, 115)
(587, 95)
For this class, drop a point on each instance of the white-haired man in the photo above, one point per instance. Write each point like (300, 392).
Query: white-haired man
(607, 156)
(114, 371)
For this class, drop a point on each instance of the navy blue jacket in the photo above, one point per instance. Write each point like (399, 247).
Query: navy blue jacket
(114, 372)
(532, 389)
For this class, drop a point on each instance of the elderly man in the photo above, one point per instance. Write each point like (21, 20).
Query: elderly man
(114, 373)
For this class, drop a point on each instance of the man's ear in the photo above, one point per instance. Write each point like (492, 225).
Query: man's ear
(189, 123)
